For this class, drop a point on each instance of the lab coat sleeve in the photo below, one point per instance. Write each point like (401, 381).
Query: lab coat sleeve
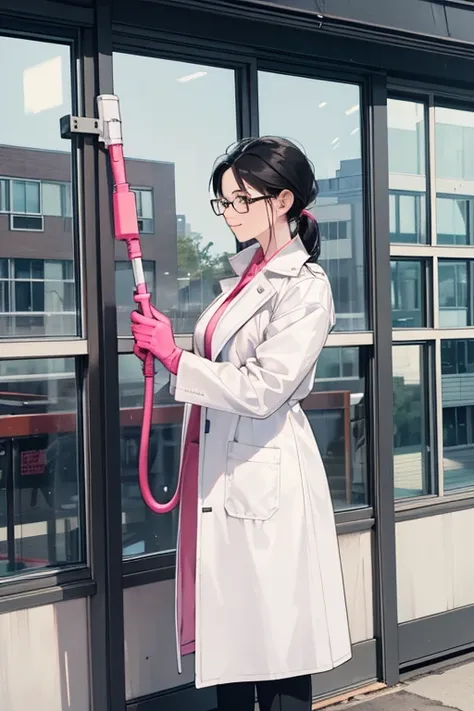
(292, 343)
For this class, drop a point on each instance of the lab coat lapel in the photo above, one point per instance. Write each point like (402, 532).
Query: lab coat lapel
(240, 310)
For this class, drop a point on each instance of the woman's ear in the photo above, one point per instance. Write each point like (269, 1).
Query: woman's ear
(284, 202)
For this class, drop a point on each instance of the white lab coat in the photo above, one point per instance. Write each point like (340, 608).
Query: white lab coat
(270, 599)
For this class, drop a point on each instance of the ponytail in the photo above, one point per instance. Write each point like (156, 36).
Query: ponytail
(308, 232)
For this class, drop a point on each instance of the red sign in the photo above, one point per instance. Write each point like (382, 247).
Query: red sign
(32, 462)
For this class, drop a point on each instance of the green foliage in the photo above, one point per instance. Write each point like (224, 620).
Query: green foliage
(196, 259)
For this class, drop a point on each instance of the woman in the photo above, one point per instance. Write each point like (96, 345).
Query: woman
(260, 596)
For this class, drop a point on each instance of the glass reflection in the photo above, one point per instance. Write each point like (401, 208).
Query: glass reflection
(411, 443)
(37, 281)
(329, 110)
(455, 293)
(336, 410)
(454, 175)
(407, 294)
(337, 413)
(407, 166)
(41, 506)
(144, 532)
(171, 146)
(457, 373)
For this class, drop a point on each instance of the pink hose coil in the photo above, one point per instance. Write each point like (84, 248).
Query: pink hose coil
(126, 228)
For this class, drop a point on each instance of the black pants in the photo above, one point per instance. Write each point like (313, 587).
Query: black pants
(281, 695)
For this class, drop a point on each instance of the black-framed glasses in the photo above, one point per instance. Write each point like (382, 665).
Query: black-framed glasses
(241, 203)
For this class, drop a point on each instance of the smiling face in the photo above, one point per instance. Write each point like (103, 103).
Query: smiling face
(261, 215)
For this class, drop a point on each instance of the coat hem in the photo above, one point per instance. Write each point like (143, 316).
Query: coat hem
(288, 673)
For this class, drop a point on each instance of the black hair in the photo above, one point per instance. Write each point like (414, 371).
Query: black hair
(270, 165)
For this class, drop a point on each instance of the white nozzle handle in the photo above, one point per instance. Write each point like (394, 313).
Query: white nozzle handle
(110, 120)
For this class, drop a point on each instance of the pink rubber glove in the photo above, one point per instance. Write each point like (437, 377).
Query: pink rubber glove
(156, 336)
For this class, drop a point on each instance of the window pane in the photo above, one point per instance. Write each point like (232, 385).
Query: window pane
(337, 412)
(407, 166)
(143, 531)
(458, 413)
(124, 289)
(174, 133)
(41, 505)
(454, 175)
(327, 109)
(454, 220)
(51, 199)
(23, 296)
(407, 294)
(44, 286)
(411, 444)
(4, 195)
(32, 194)
(146, 204)
(36, 162)
(455, 293)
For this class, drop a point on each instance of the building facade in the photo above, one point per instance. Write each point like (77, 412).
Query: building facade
(380, 97)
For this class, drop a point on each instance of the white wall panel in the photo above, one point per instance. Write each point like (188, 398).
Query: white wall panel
(356, 557)
(435, 564)
(44, 658)
(150, 648)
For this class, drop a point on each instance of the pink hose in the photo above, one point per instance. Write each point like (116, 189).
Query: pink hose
(126, 228)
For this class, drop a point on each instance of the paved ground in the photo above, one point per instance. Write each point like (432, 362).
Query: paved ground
(449, 689)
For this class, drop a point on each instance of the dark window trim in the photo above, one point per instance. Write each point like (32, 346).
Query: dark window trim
(47, 596)
(34, 581)
(336, 39)
(423, 507)
(384, 550)
(160, 45)
(45, 20)
(442, 95)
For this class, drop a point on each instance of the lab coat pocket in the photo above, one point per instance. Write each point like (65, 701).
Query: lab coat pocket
(252, 481)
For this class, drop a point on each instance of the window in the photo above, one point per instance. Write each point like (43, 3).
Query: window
(37, 298)
(458, 413)
(144, 202)
(457, 357)
(411, 431)
(143, 532)
(334, 230)
(407, 166)
(455, 293)
(26, 197)
(4, 195)
(184, 260)
(56, 199)
(170, 155)
(124, 288)
(31, 205)
(40, 493)
(433, 407)
(337, 412)
(407, 218)
(407, 294)
(454, 220)
(330, 109)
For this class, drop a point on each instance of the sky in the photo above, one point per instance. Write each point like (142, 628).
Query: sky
(189, 123)
(185, 114)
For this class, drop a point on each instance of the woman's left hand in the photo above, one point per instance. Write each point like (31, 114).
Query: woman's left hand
(156, 335)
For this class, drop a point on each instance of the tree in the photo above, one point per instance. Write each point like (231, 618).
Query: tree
(196, 260)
